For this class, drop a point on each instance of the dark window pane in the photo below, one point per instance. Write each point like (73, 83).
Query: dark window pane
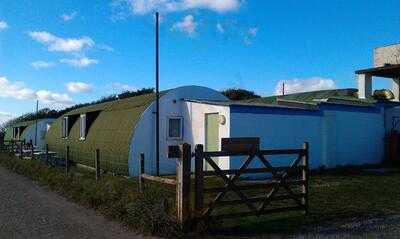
(174, 128)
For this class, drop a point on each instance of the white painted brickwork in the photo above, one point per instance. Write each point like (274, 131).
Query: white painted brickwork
(387, 55)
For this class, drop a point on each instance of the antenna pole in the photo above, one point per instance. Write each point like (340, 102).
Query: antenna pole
(283, 88)
(36, 120)
(157, 99)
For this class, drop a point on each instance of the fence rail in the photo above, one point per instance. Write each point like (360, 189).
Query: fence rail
(282, 178)
(287, 177)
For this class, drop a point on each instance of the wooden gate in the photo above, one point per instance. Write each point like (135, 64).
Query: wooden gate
(293, 179)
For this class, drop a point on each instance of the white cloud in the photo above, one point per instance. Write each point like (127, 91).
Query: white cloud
(303, 85)
(142, 7)
(80, 63)
(105, 47)
(253, 31)
(19, 91)
(78, 87)
(220, 28)
(3, 25)
(55, 43)
(47, 97)
(122, 87)
(250, 35)
(215, 5)
(68, 17)
(42, 64)
(187, 25)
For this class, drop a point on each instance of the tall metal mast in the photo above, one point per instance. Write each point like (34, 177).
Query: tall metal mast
(157, 100)
(36, 120)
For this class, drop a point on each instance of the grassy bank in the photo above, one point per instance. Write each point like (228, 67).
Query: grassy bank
(334, 196)
(114, 197)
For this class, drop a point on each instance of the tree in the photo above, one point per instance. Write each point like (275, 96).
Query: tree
(239, 94)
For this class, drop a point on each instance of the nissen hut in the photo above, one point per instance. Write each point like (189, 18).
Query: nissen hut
(122, 129)
(30, 131)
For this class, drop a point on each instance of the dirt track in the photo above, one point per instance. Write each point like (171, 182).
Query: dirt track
(30, 211)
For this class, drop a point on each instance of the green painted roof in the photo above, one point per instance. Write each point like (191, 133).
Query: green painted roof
(338, 96)
(110, 132)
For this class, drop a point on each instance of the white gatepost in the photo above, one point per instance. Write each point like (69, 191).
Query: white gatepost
(364, 86)
(396, 89)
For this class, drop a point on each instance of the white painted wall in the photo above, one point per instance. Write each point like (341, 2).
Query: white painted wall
(337, 136)
(278, 131)
(42, 127)
(195, 120)
(143, 139)
(353, 137)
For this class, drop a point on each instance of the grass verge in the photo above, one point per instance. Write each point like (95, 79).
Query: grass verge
(114, 197)
(335, 195)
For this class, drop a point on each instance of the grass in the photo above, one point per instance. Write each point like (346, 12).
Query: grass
(114, 197)
(334, 195)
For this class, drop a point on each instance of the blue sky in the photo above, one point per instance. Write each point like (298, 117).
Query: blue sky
(65, 52)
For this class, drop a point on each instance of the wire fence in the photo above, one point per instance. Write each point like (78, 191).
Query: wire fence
(114, 163)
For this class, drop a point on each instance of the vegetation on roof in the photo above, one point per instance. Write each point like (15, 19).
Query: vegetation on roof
(236, 94)
(312, 97)
(48, 113)
(42, 114)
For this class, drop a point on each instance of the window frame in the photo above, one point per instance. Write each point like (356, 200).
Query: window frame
(180, 118)
(82, 118)
(16, 133)
(64, 128)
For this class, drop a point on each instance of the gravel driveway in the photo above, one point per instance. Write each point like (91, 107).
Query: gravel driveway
(30, 211)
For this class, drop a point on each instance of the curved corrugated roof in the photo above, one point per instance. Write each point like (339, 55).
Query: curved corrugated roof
(9, 130)
(110, 132)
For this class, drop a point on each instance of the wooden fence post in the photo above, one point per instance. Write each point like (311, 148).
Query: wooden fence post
(183, 186)
(66, 160)
(305, 176)
(199, 182)
(11, 147)
(47, 153)
(32, 152)
(141, 171)
(97, 163)
(1, 142)
(20, 150)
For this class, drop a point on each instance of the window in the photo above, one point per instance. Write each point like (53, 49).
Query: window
(16, 133)
(82, 129)
(175, 128)
(64, 133)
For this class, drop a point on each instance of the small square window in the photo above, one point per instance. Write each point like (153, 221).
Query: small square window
(175, 128)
